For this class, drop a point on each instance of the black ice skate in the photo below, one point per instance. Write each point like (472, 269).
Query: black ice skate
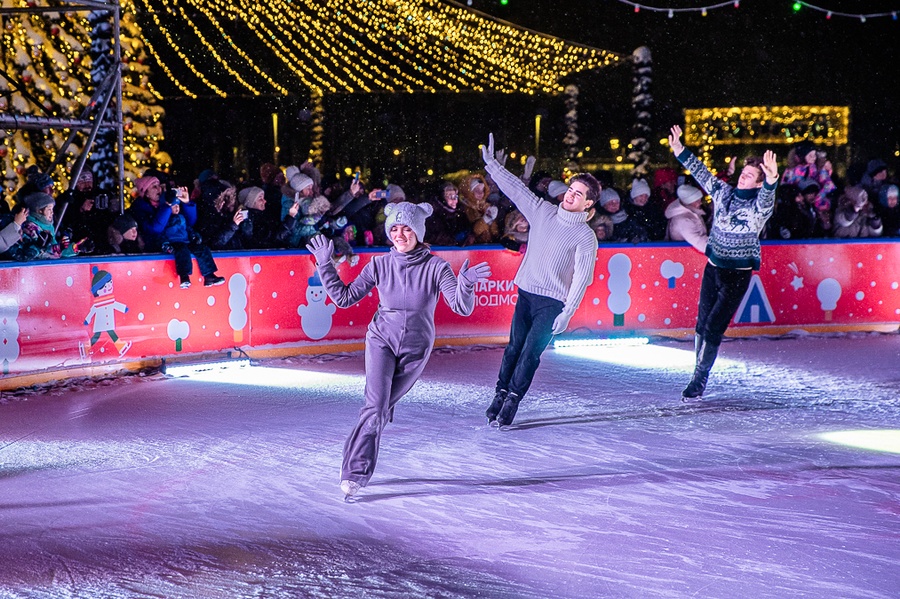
(706, 356)
(495, 406)
(508, 411)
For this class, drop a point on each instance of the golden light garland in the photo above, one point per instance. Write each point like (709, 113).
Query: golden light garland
(826, 125)
(360, 46)
(706, 128)
(49, 55)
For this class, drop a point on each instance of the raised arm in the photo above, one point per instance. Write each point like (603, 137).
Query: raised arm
(698, 170)
(342, 295)
(675, 140)
(459, 291)
(511, 186)
(770, 167)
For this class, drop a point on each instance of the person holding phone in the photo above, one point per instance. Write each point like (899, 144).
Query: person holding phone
(166, 223)
(410, 280)
(11, 227)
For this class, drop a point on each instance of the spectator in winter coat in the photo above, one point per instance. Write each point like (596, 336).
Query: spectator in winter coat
(601, 225)
(649, 217)
(272, 179)
(84, 217)
(874, 178)
(168, 221)
(804, 162)
(515, 232)
(255, 229)
(123, 236)
(449, 224)
(687, 221)
(409, 280)
(11, 228)
(218, 218)
(889, 210)
(360, 210)
(299, 188)
(733, 251)
(625, 230)
(482, 215)
(39, 239)
(794, 218)
(855, 216)
(665, 181)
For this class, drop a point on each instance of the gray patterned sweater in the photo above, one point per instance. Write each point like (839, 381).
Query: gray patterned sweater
(738, 218)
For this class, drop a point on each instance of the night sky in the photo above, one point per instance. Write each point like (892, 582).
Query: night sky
(762, 53)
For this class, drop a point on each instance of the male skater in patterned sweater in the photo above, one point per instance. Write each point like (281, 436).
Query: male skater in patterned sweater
(733, 248)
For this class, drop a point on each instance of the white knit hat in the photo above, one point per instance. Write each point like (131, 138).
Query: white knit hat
(556, 188)
(409, 214)
(688, 194)
(290, 171)
(639, 187)
(608, 195)
(299, 182)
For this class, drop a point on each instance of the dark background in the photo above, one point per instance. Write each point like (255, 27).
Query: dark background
(762, 53)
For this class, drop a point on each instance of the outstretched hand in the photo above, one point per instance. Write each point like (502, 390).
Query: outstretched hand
(487, 151)
(529, 168)
(770, 167)
(479, 272)
(675, 140)
(322, 248)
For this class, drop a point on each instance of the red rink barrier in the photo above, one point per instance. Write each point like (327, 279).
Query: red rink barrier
(50, 318)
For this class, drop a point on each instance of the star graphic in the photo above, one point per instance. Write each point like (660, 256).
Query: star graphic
(797, 283)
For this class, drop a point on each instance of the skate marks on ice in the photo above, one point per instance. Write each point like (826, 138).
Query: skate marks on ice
(280, 569)
(709, 405)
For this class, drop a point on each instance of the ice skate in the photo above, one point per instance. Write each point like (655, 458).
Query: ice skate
(350, 488)
(706, 356)
(495, 407)
(508, 411)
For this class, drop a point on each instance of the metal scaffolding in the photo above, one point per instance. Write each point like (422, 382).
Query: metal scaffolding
(96, 114)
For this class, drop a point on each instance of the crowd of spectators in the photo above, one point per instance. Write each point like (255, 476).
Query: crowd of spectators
(284, 208)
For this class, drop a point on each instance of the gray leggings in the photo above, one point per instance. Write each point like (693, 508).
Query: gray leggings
(388, 378)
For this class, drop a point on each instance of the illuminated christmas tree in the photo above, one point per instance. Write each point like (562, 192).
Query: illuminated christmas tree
(54, 61)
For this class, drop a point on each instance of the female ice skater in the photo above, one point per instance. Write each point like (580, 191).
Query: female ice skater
(733, 248)
(400, 337)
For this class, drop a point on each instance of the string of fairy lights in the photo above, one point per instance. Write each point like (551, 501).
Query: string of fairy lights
(705, 128)
(356, 46)
(48, 55)
(796, 5)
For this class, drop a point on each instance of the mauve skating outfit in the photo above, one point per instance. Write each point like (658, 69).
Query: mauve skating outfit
(399, 338)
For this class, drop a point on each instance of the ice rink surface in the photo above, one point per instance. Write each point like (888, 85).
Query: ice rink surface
(783, 482)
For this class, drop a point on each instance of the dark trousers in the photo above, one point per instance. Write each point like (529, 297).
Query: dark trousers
(721, 293)
(183, 265)
(529, 334)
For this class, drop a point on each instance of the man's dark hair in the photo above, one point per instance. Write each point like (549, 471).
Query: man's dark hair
(592, 184)
(756, 161)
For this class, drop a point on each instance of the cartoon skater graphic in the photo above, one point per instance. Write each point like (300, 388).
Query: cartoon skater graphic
(103, 310)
